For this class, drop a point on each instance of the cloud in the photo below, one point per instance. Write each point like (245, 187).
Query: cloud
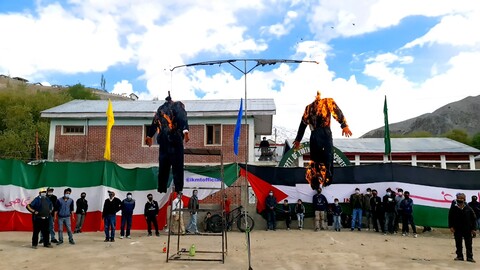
(283, 28)
(454, 30)
(122, 87)
(55, 40)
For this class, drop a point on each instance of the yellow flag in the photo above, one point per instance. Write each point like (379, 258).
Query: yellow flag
(110, 122)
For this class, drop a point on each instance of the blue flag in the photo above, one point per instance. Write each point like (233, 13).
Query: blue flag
(238, 128)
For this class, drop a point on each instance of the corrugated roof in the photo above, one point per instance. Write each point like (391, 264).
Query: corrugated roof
(403, 145)
(145, 108)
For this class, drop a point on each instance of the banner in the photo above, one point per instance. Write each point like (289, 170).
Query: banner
(20, 183)
(432, 190)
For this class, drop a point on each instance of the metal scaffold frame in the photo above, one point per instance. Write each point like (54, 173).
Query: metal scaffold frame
(177, 255)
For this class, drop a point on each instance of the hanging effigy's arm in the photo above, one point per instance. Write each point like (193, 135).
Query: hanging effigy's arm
(301, 128)
(338, 115)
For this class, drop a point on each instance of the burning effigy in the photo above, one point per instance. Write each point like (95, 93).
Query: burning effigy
(317, 116)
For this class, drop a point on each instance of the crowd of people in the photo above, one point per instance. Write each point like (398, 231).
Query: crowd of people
(369, 211)
(47, 209)
(382, 214)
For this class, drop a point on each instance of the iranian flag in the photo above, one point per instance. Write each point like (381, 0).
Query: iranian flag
(432, 190)
(20, 183)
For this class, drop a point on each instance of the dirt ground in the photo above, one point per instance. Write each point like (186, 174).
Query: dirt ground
(279, 249)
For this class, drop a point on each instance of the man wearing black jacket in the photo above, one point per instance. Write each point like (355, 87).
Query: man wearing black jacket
(151, 213)
(110, 208)
(271, 204)
(389, 207)
(462, 223)
(377, 211)
(82, 207)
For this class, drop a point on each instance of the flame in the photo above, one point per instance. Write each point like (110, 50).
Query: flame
(317, 172)
(170, 123)
(318, 113)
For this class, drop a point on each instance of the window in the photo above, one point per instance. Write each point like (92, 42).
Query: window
(73, 130)
(214, 134)
(145, 132)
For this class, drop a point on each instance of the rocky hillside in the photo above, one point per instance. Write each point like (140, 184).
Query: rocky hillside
(7, 82)
(463, 114)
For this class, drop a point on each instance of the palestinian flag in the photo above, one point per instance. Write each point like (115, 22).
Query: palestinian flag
(432, 190)
(20, 183)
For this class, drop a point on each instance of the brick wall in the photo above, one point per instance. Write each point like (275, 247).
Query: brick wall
(127, 145)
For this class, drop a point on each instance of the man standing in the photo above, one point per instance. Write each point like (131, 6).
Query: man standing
(287, 213)
(41, 208)
(178, 224)
(271, 203)
(193, 206)
(367, 207)
(127, 207)
(461, 221)
(317, 115)
(82, 208)
(406, 208)
(377, 211)
(398, 212)
(151, 213)
(110, 208)
(356, 202)
(51, 228)
(320, 205)
(64, 213)
(475, 205)
(389, 207)
(171, 123)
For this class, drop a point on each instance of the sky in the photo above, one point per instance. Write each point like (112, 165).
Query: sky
(421, 54)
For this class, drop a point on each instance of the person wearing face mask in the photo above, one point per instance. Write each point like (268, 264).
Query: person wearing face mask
(128, 204)
(367, 208)
(64, 213)
(41, 208)
(406, 209)
(271, 204)
(356, 202)
(110, 208)
(82, 207)
(337, 215)
(398, 212)
(462, 223)
(151, 212)
(377, 211)
(475, 205)
(389, 207)
(52, 199)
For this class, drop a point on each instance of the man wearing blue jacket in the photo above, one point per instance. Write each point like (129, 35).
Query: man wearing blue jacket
(41, 208)
(128, 205)
(406, 209)
(271, 204)
(320, 204)
(64, 214)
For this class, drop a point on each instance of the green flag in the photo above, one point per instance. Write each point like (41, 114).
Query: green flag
(388, 146)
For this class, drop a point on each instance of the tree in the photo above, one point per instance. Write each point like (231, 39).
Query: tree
(78, 91)
(102, 83)
(476, 140)
(458, 135)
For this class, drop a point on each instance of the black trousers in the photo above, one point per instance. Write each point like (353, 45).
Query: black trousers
(406, 220)
(150, 220)
(459, 237)
(321, 153)
(378, 217)
(170, 156)
(41, 225)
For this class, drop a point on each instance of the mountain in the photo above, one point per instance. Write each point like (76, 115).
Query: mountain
(6, 82)
(463, 114)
